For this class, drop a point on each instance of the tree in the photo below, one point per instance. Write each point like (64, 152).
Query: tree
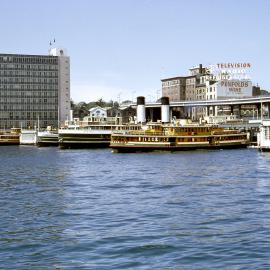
(100, 102)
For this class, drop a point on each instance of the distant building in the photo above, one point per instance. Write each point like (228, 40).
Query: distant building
(98, 114)
(200, 84)
(174, 88)
(110, 116)
(34, 88)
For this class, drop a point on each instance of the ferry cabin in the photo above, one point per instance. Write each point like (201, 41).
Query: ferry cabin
(92, 136)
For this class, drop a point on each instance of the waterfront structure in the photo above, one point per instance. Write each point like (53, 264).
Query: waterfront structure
(34, 89)
(28, 137)
(263, 137)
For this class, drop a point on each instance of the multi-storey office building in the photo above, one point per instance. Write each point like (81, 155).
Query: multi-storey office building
(34, 89)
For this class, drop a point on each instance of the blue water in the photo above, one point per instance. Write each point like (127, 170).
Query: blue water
(93, 209)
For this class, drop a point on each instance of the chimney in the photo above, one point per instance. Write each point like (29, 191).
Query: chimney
(141, 110)
(165, 110)
(200, 69)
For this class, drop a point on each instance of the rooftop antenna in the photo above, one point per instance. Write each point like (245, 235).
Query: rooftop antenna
(51, 43)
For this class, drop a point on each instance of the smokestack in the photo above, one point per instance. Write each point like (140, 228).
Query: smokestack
(141, 110)
(165, 110)
(200, 69)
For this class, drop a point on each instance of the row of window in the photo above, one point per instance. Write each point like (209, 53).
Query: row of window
(27, 123)
(29, 59)
(28, 107)
(32, 87)
(172, 82)
(16, 73)
(28, 67)
(28, 80)
(28, 94)
(28, 101)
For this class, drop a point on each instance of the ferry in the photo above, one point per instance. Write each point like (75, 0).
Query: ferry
(90, 136)
(47, 138)
(263, 136)
(170, 137)
(11, 137)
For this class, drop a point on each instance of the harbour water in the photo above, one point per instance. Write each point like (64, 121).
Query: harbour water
(93, 209)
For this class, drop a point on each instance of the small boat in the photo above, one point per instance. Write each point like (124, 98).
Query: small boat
(11, 137)
(47, 138)
(263, 136)
(169, 137)
(91, 136)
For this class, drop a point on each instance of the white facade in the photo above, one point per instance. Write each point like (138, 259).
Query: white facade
(228, 89)
(63, 83)
(98, 112)
(263, 137)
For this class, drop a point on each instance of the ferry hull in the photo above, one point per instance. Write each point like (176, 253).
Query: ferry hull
(47, 143)
(4, 143)
(148, 147)
(79, 145)
(45, 139)
(264, 149)
(132, 149)
(76, 141)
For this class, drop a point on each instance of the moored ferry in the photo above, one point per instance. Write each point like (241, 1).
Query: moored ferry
(47, 138)
(91, 136)
(176, 138)
(11, 137)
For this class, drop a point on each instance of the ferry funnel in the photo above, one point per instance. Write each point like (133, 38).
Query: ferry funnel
(141, 110)
(165, 110)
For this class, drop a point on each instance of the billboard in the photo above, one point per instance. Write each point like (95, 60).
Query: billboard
(232, 79)
(234, 89)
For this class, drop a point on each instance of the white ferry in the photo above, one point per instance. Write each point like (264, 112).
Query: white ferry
(91, 136)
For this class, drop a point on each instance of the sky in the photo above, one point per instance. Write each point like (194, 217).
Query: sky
(121, 49)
